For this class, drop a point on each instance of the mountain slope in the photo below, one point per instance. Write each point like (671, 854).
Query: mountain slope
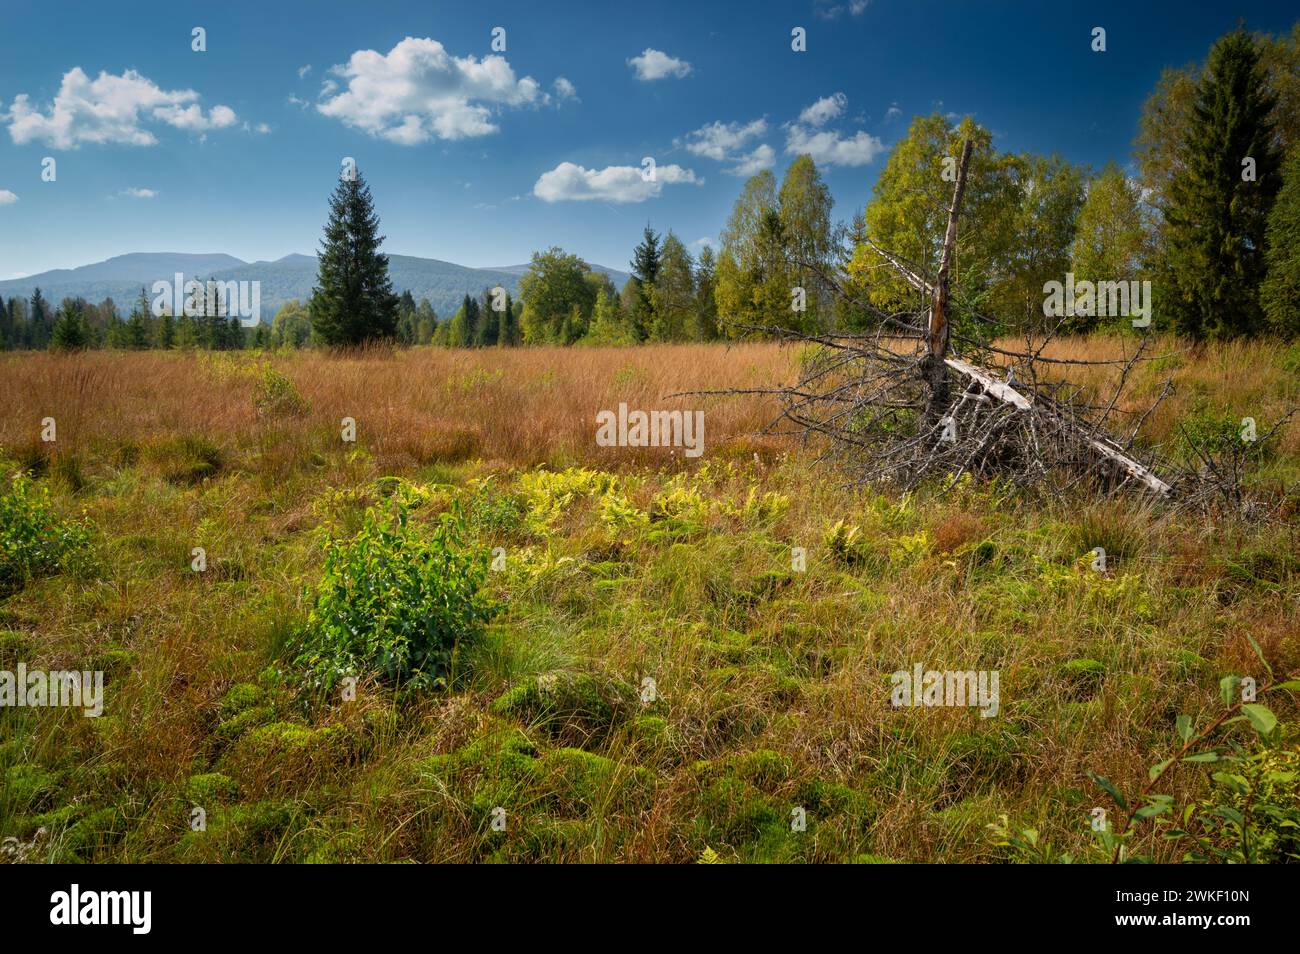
(294, 276)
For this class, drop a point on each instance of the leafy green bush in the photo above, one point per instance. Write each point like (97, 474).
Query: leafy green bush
(34, 539)
(396, 599)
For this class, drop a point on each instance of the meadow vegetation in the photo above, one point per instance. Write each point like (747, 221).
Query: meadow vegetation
(611, 644)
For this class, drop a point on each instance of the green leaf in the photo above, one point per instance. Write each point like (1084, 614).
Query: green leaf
(1184, 726)
(1261, 717)
(1158, 806)
(1156, 770)
(1110, 789)
(1293, 685)
(1203, 757)
(1228, 689)
(1260, 653)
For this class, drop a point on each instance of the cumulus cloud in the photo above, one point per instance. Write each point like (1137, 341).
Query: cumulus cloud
(135, 192)
(824, 110)
(569, 182)
(830, 148)
(110, 109)
(829, 11)
(7, 198)
(763, 157)
(721, 140)
(564, 90)
(655, 64)
(893, 112)
(304, 70)
(827, 146)
(418, 91)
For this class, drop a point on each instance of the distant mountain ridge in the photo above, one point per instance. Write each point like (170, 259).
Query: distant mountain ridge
(445, 284)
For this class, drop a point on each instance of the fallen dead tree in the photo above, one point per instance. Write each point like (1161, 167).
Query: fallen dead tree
(915, 400)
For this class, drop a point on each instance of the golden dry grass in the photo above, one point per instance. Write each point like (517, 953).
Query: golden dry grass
(773, 682)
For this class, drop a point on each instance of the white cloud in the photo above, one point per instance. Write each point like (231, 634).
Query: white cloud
(763, 157)
(304, 70)
(418, 91)
(893, 111)
(7, 198)
(826, 146)
(135, 192)
(721, 140)
(110, 109)
(833, 12)
(568, 182)
(655, 64)
(824, 110)
(564, 90)
(829, 148)
(701, 242)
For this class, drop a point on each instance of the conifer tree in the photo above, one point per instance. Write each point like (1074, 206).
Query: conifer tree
(353, 301)
(1280, 294)
(1220, 196)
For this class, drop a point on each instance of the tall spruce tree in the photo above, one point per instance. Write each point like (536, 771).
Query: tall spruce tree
(38, 332)
(1220, 196)
(353, 301)
(646, 262)
(70, 333)
(1280, 293)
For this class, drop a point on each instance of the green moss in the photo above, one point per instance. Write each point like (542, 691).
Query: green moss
(581, 781)
(284, 738)
(763, 768)
(499, 769)
(569, 706)
(239, 697)
(28, 787)
(14, 648)
(114, 662)
(255, 832)
(241, 722)
(651, 737)
(1083, 677)
(209, 789)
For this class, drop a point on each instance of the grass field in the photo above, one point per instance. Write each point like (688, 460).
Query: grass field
(769, 685)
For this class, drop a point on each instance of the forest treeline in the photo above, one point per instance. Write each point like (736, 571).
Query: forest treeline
(1209, 214)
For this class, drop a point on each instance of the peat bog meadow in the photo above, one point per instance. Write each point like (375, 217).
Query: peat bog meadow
(635, 656)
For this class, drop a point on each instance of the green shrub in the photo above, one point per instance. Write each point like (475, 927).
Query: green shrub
(276, 395)
(395, 599)
(34, 540)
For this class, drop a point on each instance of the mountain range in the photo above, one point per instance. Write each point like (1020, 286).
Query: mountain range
(445, 284)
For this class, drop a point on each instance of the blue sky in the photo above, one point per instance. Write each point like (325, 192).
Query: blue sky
(480, 158)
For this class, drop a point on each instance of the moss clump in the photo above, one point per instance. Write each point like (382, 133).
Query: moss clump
(245, 706)
(210, 789)
(764, 768)
(254, 833)
(575, 707)
(651, 736)
(498, 769)
(582, 782)
(14, 648)
(1083, 677)
(29, 787)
